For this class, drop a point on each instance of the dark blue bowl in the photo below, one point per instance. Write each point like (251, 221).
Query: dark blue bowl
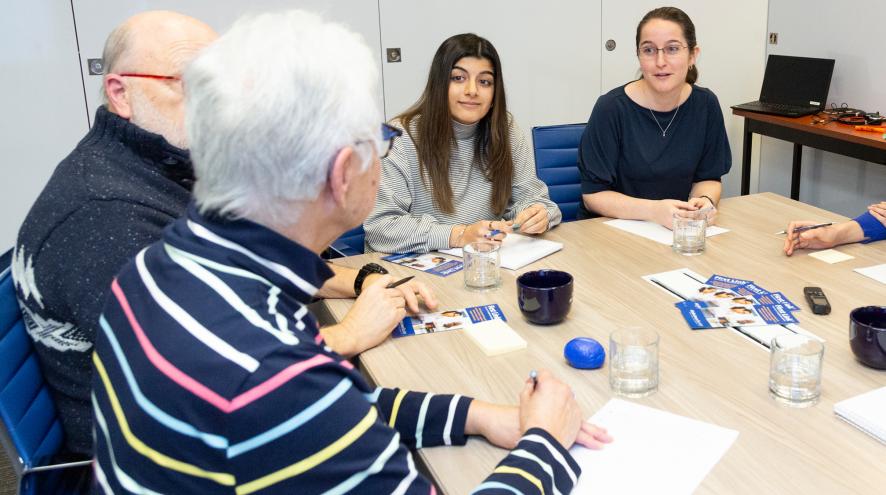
(544, 296)
(867, 335)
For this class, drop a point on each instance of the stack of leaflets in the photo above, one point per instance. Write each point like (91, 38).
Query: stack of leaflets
(431, 263)
(443, 321)
(731, 302)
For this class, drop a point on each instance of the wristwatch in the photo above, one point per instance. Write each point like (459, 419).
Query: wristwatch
(364, 272)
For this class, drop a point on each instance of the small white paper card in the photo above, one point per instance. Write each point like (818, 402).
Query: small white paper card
(876, 272)
(653, 451)
(654, 231)
(831, 256)
(495, 337)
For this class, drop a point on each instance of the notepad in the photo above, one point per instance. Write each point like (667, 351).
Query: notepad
(518, 250)
(876, 272)
(654, 231)
(495, 337)
(831, 256)
(867, 412)
(652, 451)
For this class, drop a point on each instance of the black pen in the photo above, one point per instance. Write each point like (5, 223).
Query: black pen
(400, 282)
(534, 376)
(806, 227)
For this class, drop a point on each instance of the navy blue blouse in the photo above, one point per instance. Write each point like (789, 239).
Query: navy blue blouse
(623, 150)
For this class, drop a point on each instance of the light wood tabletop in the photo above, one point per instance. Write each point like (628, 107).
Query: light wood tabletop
(717, 376)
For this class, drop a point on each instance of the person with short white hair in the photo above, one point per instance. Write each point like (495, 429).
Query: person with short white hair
(211, 375)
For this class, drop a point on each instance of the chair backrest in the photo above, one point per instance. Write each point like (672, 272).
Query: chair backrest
(350, 243)
(33, 432)
(556, 163)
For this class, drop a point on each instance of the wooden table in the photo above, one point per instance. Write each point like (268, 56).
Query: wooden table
(833, 137)
(716, 376)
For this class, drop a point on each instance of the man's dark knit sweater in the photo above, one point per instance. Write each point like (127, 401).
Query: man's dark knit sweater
(112, 196)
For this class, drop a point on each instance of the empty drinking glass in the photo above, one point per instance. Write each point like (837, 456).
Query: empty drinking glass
(481, 265)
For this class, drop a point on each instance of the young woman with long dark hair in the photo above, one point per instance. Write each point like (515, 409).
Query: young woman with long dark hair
(462, 168)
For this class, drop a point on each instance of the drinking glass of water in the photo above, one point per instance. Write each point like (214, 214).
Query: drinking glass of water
(690, 228)
(795, 370)
(633, 362)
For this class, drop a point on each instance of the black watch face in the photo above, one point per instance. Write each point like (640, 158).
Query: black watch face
(375, 268)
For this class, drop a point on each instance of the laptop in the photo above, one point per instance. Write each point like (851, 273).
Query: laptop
(793, 86)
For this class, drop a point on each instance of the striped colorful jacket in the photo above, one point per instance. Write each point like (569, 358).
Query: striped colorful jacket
(211, 377)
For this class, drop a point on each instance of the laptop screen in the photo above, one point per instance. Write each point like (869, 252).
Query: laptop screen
(799, 81)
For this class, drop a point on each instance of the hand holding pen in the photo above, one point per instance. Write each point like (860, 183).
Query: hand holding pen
(809, 235)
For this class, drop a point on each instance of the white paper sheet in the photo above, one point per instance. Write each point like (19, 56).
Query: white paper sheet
(653, 451)
(518, 250)
(831, 256)
(654, 231)
(876, 272)
(866, 412)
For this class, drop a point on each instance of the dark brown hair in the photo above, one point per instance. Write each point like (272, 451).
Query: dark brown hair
(680, 18)
(433, 136)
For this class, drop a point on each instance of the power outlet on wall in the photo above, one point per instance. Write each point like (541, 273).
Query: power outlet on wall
(773, 38)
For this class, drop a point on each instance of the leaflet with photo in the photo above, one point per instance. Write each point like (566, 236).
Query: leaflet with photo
(748, 288)
(725, 282)
(444, 321)
(431, 263)
(700, 315)
(717, 296)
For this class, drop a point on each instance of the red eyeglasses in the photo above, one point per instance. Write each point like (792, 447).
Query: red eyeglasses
(152, 76)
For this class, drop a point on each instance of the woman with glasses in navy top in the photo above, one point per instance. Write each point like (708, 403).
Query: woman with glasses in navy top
(656, 146)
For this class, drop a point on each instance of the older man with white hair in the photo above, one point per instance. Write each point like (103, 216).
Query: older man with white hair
(211, 375)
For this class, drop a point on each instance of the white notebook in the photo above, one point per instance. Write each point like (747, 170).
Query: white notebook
(653, 451)
(518, 250)
(867, 412)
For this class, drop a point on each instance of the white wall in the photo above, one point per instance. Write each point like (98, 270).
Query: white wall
(830, 181)
(42, 113)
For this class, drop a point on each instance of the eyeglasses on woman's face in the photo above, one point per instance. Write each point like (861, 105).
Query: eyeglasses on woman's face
(650, 51)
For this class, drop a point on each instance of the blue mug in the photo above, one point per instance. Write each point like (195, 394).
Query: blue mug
(544, 296)
(867, 335)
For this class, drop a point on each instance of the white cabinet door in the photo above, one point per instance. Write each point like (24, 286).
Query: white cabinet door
(41, 96)
(96, 19)
(549, 53)
(732, 37)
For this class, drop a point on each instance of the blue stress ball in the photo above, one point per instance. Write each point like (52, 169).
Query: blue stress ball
(584, 353)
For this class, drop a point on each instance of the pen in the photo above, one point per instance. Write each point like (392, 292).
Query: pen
(534, 376)
(400, 282)
(493, 233)
(516, 227)
(806, 227)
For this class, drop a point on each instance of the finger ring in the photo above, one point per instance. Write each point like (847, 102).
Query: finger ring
(490, 225)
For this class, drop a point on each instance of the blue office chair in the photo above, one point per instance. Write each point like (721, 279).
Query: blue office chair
(556, 163)
(348, 244)
(31, 433)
